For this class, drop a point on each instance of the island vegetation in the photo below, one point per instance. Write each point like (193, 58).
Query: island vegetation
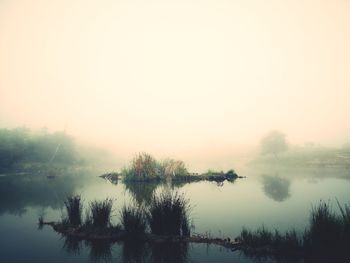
(145, 168)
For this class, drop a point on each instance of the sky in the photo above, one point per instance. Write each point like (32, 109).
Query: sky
(177, 77)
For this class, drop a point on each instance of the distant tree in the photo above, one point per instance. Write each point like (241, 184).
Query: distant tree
(274, 143)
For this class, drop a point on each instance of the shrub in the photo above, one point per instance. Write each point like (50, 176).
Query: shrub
(231, 174)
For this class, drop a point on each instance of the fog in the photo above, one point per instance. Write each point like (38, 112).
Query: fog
(197, 80)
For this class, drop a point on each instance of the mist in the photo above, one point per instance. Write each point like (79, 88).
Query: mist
(203, 81)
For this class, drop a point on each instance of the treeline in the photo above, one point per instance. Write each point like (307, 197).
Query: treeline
(22, 149)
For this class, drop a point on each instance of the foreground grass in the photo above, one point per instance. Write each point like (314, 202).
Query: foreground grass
(168, 214)
(133, 220)
(74, 210)
(101, 213)
(326, 238)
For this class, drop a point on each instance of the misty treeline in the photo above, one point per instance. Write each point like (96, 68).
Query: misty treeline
(274, 148)
(22, 149)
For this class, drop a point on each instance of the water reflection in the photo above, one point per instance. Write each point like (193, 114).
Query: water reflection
(173, 252)
(132, 251)
(100, 250)
(135, 251)
(276, 187)
(19, 192)
(141, 191)
(72, 245)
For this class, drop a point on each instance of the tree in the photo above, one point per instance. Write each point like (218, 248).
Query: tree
(274, 143)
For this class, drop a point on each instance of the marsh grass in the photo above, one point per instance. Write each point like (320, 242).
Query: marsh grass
(74, 208)
(262, 237)
(326, 238)
(100, 213)
(133, 220)
(169, 214)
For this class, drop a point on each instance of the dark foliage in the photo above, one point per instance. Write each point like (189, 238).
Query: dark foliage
(169, 214)
(74, 210)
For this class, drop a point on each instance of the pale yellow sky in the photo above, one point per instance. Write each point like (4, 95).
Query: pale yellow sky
(174, 77)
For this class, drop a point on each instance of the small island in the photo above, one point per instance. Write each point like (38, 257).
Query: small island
(145, 168)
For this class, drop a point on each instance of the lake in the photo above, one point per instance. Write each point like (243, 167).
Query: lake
(274, 198)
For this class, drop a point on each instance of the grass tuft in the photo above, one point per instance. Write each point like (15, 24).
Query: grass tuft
(101, 213)
(74, 210)
(133, 220)
(169, 214)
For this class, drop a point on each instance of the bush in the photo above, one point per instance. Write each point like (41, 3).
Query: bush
(231, 174)
(101, 212)
(133, 220)
(74, 209)
(168, 214)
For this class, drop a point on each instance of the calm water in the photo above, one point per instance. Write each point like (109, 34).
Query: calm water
(277, 199)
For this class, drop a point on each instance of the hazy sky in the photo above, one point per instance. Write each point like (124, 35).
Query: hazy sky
(177, 76)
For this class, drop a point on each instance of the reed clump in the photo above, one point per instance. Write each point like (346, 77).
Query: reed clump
(133, 220)
(74, 208)
(100, 212)
(326, 237)
(169, 214)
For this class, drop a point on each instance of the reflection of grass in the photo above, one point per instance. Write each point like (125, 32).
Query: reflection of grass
(168, 214)
(170, 252)
(327, 237)
(135, 251)
(72, 245)
(100, 250)
(74, 210)
(133, 220)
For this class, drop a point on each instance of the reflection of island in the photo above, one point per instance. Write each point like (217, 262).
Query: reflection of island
(22, 191)
(142, 191)
(276, 187)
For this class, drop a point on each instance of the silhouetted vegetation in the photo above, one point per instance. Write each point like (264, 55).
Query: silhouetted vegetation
(133, 220)
(326, 238)
(74, 210)
(169, 214)
(101, 213)
(288, 242)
